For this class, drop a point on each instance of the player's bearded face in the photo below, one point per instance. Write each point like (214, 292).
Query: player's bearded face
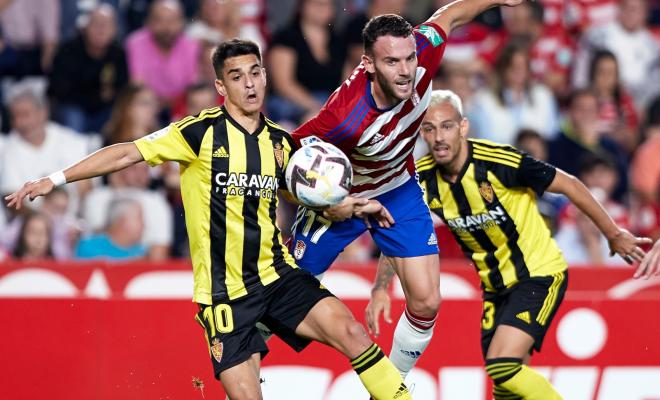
(395, 64)
(243, 83)
(445, 132)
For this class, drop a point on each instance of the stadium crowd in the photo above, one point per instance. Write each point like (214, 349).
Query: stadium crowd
(573, 82)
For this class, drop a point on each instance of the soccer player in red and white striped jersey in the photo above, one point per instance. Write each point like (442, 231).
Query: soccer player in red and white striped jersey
(374, 117)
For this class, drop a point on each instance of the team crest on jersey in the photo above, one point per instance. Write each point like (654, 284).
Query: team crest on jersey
(415, 98)
(279, 154)
(299, 250)
(216, 349)
(486, 191)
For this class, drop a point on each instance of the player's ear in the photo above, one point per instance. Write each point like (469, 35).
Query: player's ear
(220, 87)
(465, 127)
(368, 63)
(263, 71)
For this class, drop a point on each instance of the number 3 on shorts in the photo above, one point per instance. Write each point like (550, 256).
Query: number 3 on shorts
(219, 318)
(487, 320)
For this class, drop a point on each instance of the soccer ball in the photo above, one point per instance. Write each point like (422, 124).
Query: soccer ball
(319, 175)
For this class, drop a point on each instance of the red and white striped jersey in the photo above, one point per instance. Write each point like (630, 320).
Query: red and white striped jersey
(379, 142)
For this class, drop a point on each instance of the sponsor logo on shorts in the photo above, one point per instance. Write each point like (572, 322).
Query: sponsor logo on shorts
(216, 349)
(299, 250)
(524, 316)
(432, 240)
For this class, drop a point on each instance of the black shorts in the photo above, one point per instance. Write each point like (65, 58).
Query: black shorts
(230, 328)
(529, 306)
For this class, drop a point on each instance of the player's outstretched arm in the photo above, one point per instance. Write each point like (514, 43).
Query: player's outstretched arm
(461, 12)
(104, 161)
(620, 240)
(650, 265)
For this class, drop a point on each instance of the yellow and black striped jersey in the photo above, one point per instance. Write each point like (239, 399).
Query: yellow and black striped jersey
(229, 182)
(491, 211)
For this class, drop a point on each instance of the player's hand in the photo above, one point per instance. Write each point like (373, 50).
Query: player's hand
(374, 209)
(650, 265)
(31, 190)
(627, 245)
(379, 302)
(343, 210)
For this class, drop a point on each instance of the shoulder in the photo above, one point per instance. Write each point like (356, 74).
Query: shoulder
(194, 127)
(425, 163)
(137, 38)
(495, 153)
(286, 36)
(432, 32)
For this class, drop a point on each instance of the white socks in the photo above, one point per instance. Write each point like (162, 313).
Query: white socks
(411, 336)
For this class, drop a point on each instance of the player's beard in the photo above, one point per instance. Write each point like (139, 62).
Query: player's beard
(389, 90)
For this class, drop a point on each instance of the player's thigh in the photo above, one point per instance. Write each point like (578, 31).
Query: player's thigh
(332, 323)
(230, 332)
(241, 382)
(317, 241)
(419, 276)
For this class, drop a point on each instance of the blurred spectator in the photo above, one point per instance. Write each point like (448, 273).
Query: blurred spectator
(460, 80)
(580, 137)
(36, 147)
(64, 228)
(550, 50)
(160, 55)
(549, 204)
(34, 239)
(616, 109)
(634, 46)
(31, 27)
(196, 98)
(135, 114)
(515, 102)
(306, 62)
(122, 237)
(580, 15)
(353, 30)
(218, 21)
(579, 239)
(87, 73)
(133, 183)
(645, 176)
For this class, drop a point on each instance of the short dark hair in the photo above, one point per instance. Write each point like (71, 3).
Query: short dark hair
(383, 25)
(581, 92)
(590, 161)
(233, 48)
(536, 8)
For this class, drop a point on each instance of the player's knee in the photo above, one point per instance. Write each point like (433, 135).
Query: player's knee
(426, 306)
(355, 338)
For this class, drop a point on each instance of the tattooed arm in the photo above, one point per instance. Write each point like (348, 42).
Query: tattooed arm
(380, 300)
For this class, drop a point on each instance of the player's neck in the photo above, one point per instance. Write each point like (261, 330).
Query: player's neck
(249, 121)
(382, 100)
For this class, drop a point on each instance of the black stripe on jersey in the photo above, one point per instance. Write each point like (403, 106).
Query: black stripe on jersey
(277, 135)
(493, 154)
(281, 134)
(494, 276)
(496, 148)
(218, 215)
(252, 230)
(508, 226)
(193, 130)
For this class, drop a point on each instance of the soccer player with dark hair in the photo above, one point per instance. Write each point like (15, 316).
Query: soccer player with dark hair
(486, 194)
(232, 163)
(373, 117)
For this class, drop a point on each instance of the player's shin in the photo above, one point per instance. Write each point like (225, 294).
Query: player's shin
(518, 379)
(411, 337)
(379, 376)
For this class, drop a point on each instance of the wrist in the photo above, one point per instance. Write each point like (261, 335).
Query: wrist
(57, 178)
(612, 234)
(377, 288)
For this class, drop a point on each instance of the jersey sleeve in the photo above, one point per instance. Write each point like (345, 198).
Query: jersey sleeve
(167, 144)
(431, 42)
(530, 172)
(320, 127)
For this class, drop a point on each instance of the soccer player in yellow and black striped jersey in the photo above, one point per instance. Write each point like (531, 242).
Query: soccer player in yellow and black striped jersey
(232, 163)
(486, 194)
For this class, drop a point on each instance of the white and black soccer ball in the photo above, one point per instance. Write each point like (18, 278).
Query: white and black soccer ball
(319, 175)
